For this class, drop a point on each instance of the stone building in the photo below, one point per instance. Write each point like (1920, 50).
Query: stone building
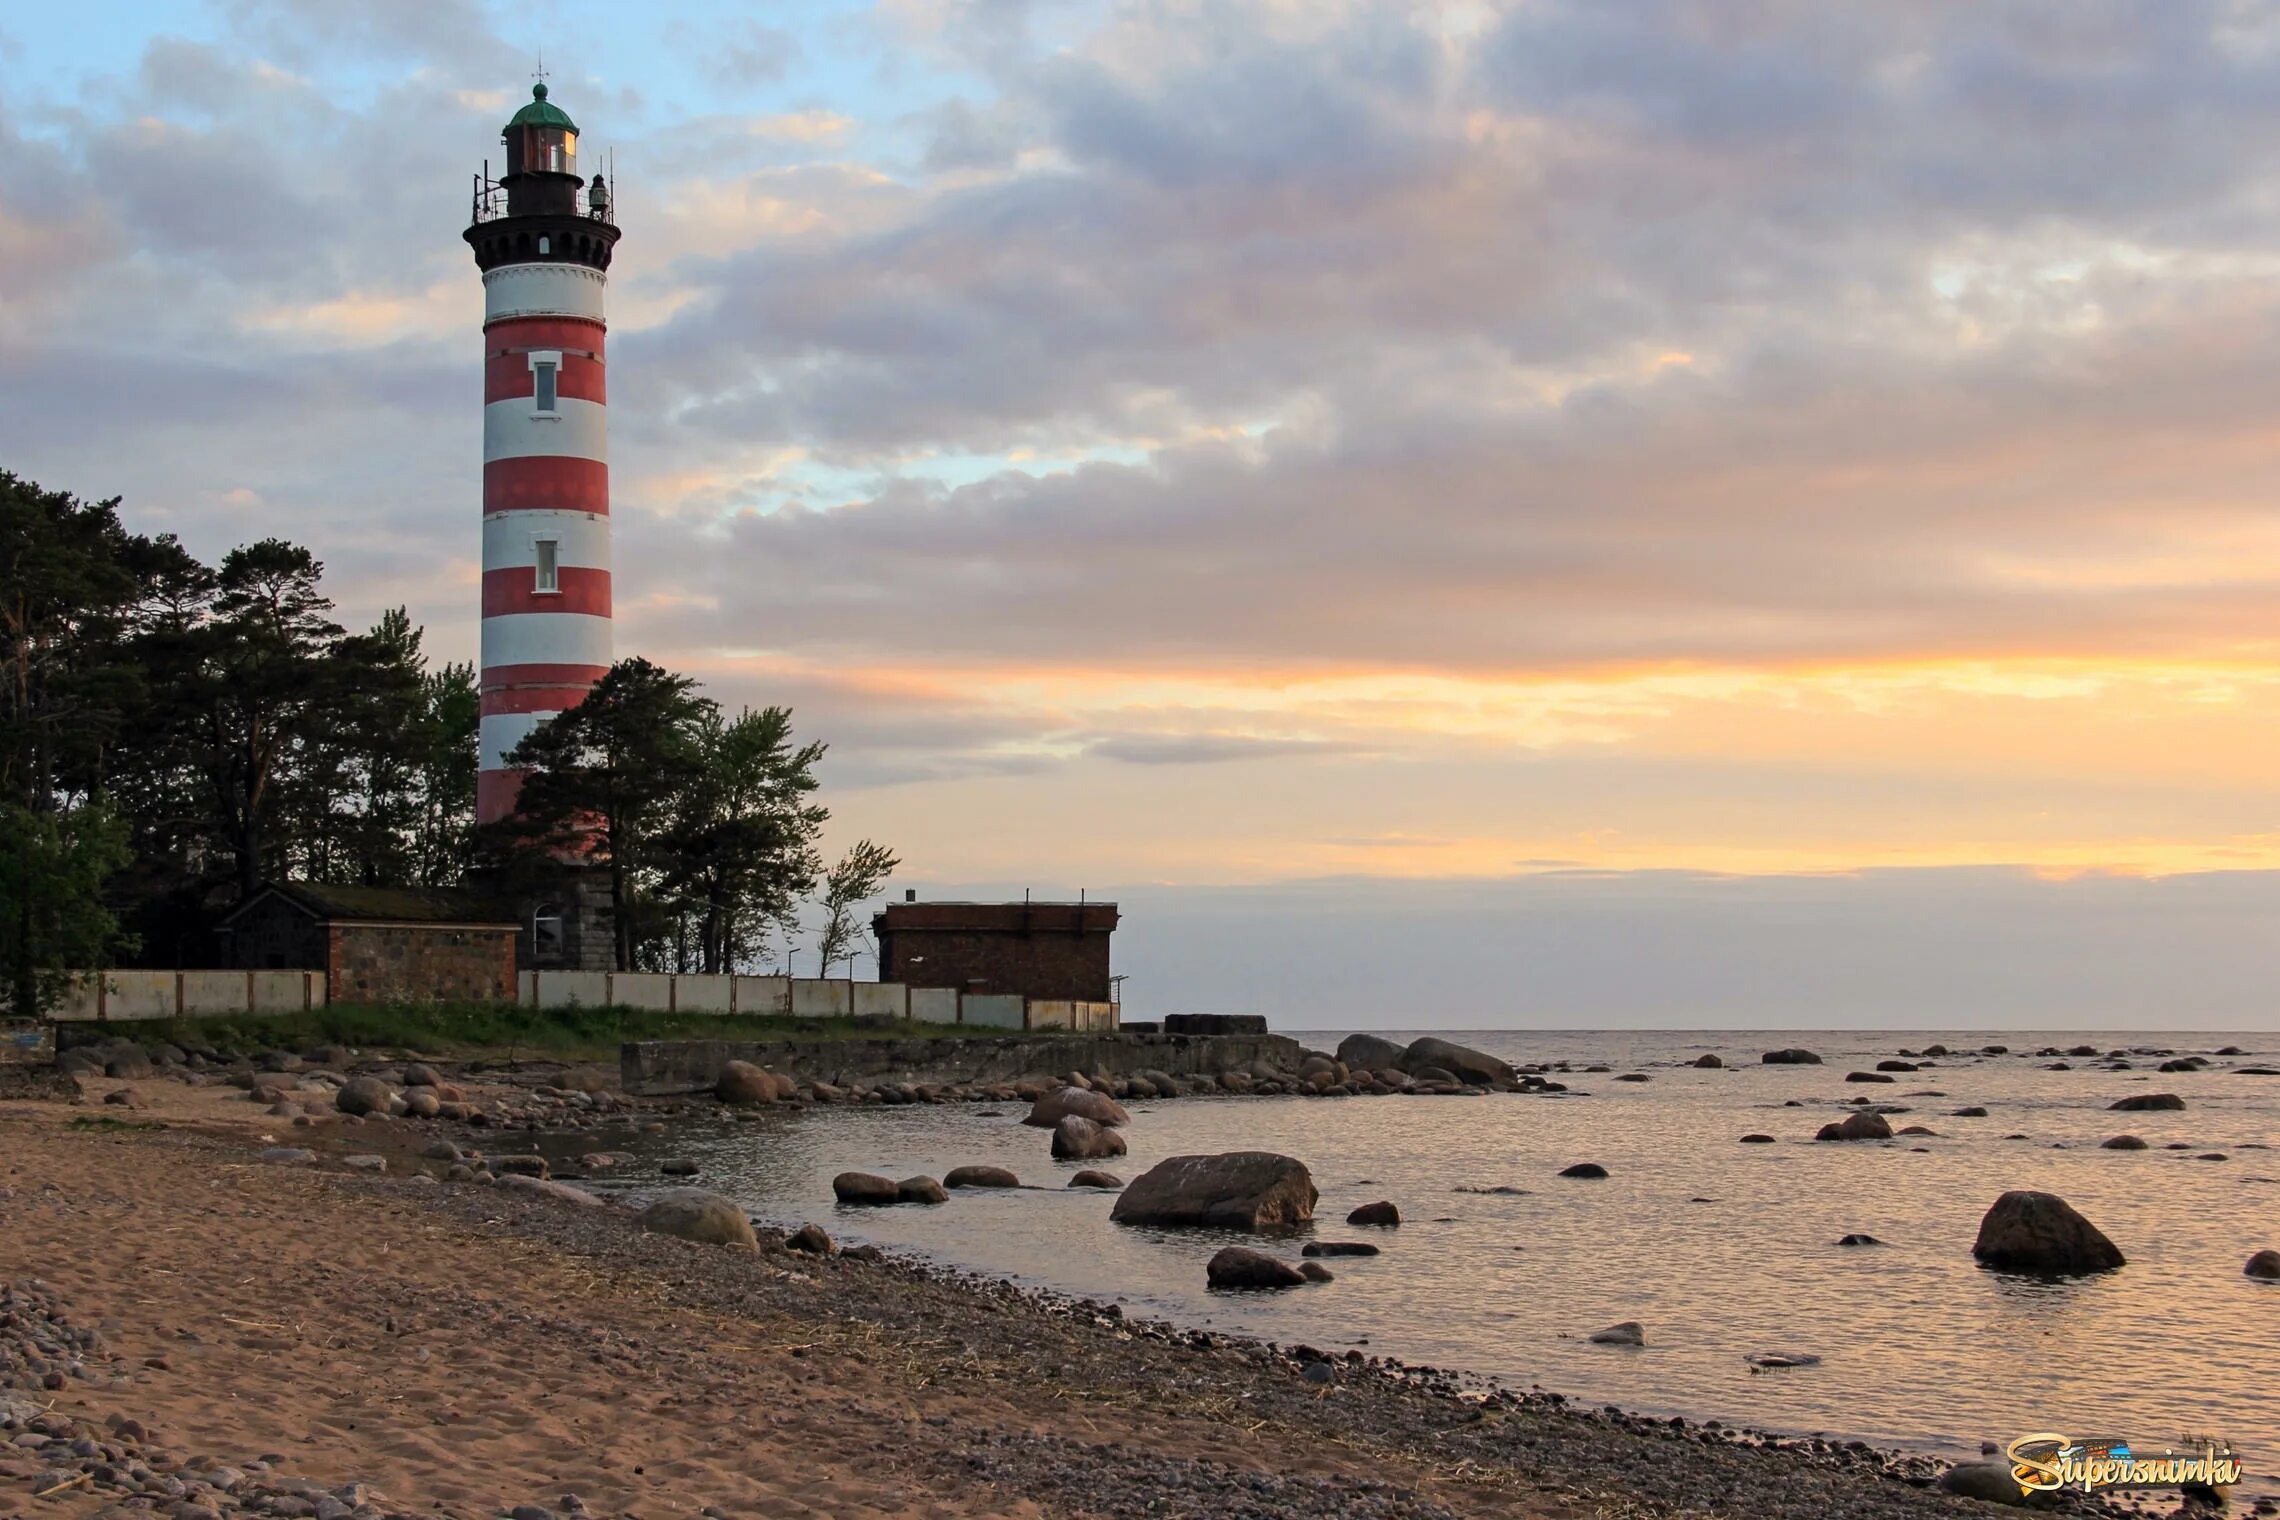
(1037, 949)
(379, 944)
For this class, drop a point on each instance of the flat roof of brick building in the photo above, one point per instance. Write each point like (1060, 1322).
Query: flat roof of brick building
(998, 918)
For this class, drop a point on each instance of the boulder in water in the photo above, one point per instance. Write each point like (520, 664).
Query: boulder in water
(1361, 1248)
(1240, 1190)
(1773, 1359)
(741, 1082)
(1467, 1065)
(1584, 1169)
(866, 1188)
(2027, 1231)
(1077, 1138)
(1092, 1179)
(1380, 1213)
(1792, 1056)
(1865, 1125)
(1628, 1333)
(1757, 1139)
(1708, 1060)
(1241, 1268)
(979, 1177)
(2121, 1143)
(2264, 1265)
(920, 1190)
(1061, 1102)
(2147, 1103)
(1369, 1052)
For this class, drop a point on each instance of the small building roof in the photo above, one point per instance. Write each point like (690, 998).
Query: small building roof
(1003, 918)
(414, 905)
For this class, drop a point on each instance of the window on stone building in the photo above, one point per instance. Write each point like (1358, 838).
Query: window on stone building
(546, 931)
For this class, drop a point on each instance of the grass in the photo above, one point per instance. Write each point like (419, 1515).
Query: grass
(573, 1032)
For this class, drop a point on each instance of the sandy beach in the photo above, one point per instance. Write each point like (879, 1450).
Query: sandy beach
(306, 1340)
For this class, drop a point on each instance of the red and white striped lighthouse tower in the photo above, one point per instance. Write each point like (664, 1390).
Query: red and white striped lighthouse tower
(542, 237)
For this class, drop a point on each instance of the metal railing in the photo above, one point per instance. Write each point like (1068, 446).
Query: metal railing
(490, 202)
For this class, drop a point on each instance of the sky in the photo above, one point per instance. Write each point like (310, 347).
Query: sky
(1668, 513)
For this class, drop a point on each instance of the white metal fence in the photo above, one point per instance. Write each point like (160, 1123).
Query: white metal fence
(807, 998)
(112, 996)
(118, 996)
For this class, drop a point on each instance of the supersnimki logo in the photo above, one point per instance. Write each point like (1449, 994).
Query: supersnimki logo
(2047, 1462)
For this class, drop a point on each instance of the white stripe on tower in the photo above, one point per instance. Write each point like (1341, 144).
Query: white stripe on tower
(546, 503)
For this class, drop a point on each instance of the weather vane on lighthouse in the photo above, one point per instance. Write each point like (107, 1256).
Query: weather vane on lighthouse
(542, 236)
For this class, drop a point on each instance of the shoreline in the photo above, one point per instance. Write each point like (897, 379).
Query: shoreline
(1028, 1383)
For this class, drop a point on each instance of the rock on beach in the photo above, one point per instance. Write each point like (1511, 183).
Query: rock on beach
(364, 1095)
(706, 1218)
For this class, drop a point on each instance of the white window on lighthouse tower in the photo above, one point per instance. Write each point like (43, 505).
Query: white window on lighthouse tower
(549, 576)
(546, 371)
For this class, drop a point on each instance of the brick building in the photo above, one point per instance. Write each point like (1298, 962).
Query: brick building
(379, 944)
(1040, 950)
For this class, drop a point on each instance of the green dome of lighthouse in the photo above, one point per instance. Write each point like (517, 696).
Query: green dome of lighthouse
(539, 113)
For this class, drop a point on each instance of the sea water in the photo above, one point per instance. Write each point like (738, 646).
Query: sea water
(1719, 1249)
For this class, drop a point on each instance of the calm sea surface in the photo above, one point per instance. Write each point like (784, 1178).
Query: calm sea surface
(1719, 1249)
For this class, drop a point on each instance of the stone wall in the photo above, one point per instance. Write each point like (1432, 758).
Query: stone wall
(662, 1068)
(420, 963)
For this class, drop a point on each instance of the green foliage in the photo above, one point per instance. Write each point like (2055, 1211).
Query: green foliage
(704, 823)
(172, 734)
(53, 865)
(740, 844)
(858, 876)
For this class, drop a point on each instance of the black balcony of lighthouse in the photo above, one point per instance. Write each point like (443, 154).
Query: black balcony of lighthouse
(540, 211)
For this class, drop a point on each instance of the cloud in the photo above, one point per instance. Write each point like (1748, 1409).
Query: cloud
(1204, 749)
(1169, 386)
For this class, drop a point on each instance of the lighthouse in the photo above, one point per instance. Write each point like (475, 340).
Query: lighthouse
(542, 236)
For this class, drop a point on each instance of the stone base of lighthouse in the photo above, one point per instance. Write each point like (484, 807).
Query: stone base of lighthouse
(568, 923)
